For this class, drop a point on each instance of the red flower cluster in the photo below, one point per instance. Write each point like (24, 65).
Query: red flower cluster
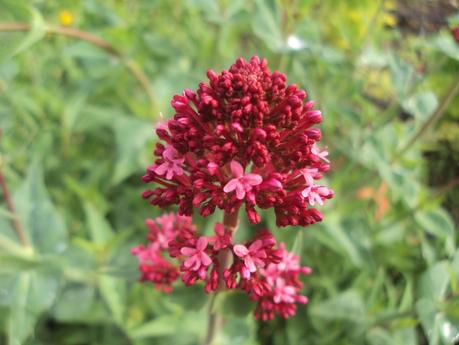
(245, 137)
(267, 273)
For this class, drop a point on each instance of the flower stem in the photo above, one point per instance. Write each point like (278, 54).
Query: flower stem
(17, 226)
(230, 222)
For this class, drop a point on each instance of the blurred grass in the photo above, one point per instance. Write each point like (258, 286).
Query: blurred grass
(77, 124)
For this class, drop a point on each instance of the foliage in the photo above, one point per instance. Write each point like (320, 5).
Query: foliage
(77, 130)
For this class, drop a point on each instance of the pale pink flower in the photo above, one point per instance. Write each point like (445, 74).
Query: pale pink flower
(197, 257)
(253, 257)
(317, 194)
(284, 293)
(309, 174)
(322, 154)
(172, 164)
(241, 183)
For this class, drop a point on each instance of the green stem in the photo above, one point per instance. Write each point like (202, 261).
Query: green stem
(436, 115)
(230, 222)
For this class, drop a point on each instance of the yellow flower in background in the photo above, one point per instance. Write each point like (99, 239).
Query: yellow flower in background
(65, 18)
(389, 19)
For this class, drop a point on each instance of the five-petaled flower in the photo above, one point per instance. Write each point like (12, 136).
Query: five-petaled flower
(197, 256)
(253, 257)
(241, 183)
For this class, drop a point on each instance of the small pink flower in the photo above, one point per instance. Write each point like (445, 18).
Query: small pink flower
(241, 183)
(309, 174)
(253, 257)
(322, 154)
(317, 194)
(172, 164)
(197, 257)
(284, 293)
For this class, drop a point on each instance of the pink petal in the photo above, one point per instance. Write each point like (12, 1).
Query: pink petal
(202, 243)
(240, 191)
(240, 250)
(231, 185)
(248, 262)
(170, 174)
(236, 169)
(205, 259)
(190, 262)
(252, 179)
(187, 251)
(161, 169)
(255, 246)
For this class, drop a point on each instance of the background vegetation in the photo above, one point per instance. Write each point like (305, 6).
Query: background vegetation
(77, 116)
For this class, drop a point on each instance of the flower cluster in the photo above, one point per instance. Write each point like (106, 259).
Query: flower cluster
(244, 138)
(266, 272)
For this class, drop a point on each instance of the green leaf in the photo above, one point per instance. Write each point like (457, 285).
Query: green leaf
(235, 303)
(99, 228)
(438, 222)
(43, 224)
(421, 105)
(158, 327)
(113, 293)
(67, 310)
(434, 282)
(446, 44)
(266, 24)
(33, 293)
(344, 306)
(131, 137)
(36, 32)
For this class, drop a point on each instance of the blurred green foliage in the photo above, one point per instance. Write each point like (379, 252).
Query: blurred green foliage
(77, 132)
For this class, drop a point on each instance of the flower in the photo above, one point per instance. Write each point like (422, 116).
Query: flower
(253, 257)
(284, 285)
(266, 272)
(317, 194)
(171, 165)
(65, 17)
(197, 256)
(241, 183)
(244, 138)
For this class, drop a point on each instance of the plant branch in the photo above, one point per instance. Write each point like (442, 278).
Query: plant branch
(230, 222)
(17, 226)
(436, 115)
(132, 66)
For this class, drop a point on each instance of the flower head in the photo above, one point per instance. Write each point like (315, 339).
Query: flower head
(243, 138)
(455, 33)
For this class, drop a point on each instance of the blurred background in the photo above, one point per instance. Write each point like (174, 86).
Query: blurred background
(82, 84)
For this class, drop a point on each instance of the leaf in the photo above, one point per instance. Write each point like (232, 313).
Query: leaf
(341, 242)
(113, 293)
(236, 303)
(43, 225)
(131, 137)
(344, 306)
(36, 32)
(421, 105)
(99, 228)
(34, 293)
(158, 327)
(266, 24)
(434, 282)
(438, 222)
(67, 310)
(446, 44)
(438, 328)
